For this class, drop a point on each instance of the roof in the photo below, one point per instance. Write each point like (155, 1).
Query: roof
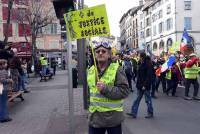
(135, 9)
(149, 4)
(129, 11)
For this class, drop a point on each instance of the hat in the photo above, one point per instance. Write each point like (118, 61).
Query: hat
(192, 54)
(103, 44)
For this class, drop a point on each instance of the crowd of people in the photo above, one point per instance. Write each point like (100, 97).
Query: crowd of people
(13, 78)
(110, 81)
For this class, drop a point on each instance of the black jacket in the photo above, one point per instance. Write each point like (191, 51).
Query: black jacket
(144, 76)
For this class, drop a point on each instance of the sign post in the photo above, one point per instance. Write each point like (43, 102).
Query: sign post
(85, 23)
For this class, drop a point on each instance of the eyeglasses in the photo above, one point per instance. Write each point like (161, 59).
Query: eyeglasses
(101, 50)
(103, 44)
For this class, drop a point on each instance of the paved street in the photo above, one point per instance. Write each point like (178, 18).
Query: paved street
(45, 111)
(172, 116)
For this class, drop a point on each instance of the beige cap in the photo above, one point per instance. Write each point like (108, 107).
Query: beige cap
(192, 54)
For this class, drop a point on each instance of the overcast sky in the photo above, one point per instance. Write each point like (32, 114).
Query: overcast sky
(115, 10)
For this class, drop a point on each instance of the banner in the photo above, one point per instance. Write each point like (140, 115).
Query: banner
(88, 22)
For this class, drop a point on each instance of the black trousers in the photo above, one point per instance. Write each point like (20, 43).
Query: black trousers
(195, 83)
(109, 130)
(163, 81)
(172, 85)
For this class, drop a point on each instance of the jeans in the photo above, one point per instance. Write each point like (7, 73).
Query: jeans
(153, 86)
(110, 130)
(3, 105)
(44, 69)
(148, 101)
(22, 82)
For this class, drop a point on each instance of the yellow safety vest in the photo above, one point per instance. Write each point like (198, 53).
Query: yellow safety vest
(43, 61)
(192, 72)
(99, 102)
(169, 75)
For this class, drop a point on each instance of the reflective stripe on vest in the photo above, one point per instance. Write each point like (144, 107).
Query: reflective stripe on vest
(98, 102)
(192, 72)
(169, 75)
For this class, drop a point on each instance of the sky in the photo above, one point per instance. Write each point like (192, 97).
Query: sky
(115, 10)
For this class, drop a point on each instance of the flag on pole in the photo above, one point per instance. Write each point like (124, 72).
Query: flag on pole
(186, 41)
(168, 64)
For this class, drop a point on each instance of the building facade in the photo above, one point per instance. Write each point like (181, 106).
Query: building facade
(16, 37)
(161, 23)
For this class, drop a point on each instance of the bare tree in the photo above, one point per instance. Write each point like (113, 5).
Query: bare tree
(37, 14)
(10, 4)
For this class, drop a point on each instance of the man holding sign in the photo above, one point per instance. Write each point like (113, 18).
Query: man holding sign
(108, 87)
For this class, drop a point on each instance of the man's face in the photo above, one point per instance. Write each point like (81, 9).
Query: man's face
(102, 54)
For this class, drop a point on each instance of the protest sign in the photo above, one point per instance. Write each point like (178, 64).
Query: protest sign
(88, 22)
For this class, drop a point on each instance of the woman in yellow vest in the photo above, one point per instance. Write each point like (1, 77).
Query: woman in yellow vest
(107, 90)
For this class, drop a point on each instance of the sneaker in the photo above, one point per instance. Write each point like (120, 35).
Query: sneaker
(6, 120)
(132, 115)
(149, 116)
(196, 98)
(187, 98)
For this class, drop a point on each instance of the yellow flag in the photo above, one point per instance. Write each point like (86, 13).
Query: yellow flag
(175, 47)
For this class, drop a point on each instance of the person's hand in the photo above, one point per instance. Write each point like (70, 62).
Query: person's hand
(143, 88)
(100, 85)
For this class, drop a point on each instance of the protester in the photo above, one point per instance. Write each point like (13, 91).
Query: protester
(161, 78)
(127, 65)
(173, 76)
(53, 65)
(107, 90)
(191, 76)
(143, 86)
(64, 64)
(44, 64)
(15, 67)
(6, 85)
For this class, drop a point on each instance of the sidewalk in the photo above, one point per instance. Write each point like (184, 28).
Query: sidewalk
(45, 109)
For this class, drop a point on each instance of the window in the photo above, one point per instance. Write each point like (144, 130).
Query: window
(148, 22)
(148, 32)
(162, 45)
(142, 34)
(54, 44)
(53, 28)
(188, 4)
(160, 27)
(168, 8)
(153, 18)
(160, 14)
(154, 30)
(169, 24)
(188, 23)
(155, 46)
(22, 12)
(141, 25)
